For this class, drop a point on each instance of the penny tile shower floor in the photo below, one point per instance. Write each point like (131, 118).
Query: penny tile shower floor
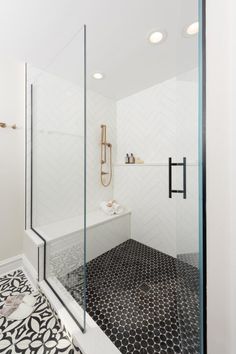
(145, 301)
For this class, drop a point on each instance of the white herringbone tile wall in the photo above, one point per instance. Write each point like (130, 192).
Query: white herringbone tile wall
(144, 190)
(155, 124)
(59, 151)
(146, 123)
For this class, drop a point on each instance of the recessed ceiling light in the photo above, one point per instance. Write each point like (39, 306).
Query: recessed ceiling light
(98, 76)
(192, 29)
(156, 37)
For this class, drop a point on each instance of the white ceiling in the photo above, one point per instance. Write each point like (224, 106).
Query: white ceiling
(36, 31)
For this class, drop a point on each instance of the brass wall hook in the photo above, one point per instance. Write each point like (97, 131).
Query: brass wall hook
(4, 125)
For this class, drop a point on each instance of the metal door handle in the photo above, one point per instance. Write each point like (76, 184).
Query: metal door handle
(183, 191)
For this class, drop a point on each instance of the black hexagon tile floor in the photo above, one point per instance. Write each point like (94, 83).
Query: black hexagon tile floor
(145, 301)
(41, 332)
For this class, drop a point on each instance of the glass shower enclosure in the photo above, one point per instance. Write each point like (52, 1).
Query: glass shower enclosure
(138, 271)
(56, 99)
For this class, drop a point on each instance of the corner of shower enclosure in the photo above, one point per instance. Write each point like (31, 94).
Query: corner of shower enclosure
(55, 187)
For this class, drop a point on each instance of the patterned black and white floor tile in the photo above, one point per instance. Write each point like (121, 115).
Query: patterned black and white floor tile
(145, 301)
(41, 332)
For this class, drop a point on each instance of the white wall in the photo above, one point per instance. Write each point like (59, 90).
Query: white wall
(11, 158)
(233, 177)
(220, 180)
(155, 124)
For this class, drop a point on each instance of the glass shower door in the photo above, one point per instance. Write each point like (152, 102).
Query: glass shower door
(184, 192)
(187, 180)
(187, 219)
(57, 109)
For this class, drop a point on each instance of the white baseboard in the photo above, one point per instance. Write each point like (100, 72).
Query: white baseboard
(10, 264)
(16, 262)
(30, 270)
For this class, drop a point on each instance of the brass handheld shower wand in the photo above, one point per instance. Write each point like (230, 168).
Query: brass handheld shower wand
(106, 177)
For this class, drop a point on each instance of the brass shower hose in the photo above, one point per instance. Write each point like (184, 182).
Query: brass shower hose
(106, 184)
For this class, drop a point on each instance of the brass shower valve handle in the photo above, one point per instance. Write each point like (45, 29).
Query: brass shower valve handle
(3, 125)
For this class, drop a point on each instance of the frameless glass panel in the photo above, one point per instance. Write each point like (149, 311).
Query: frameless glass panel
(187, 179)
(143, 275)
(58, 152)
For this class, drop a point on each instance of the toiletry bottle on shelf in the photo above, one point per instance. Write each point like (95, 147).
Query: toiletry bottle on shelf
(127, 158)
(132, 159)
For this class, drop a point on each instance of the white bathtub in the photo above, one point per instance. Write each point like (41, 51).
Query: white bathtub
(65, 240)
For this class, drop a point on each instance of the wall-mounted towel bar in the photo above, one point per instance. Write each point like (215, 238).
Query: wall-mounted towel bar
(4, 125)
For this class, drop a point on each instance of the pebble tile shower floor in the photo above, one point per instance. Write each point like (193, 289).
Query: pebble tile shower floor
(145, 301)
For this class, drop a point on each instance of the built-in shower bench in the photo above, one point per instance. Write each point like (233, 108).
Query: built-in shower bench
(65, 253)
(65, 239)
(53, 231)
